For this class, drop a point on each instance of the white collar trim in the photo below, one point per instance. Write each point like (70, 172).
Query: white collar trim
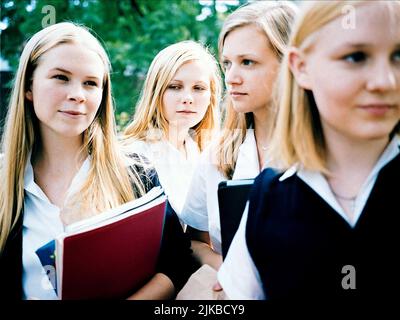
(316, 181)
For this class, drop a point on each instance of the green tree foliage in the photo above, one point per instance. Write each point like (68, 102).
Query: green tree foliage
(133, 31)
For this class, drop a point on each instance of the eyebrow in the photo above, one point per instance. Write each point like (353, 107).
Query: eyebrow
(362, 45)
(243, 55)
(68, 72)
(356, 45)
(196, 82)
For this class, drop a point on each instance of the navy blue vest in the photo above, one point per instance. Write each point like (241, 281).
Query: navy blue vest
(300, 245)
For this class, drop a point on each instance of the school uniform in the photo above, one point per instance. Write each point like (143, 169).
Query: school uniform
(295, 241)
(201, 209)
(21, 272)
(173, 169)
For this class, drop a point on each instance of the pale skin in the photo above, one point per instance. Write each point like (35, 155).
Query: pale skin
(250, 68)
(359, 104)
(354, 76)
(185, 101)
(66, 92)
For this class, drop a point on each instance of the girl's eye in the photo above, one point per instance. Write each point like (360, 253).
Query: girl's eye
(396, 56)
(355, 57)
(60, 77)
(199, 88)
(91, 83)
(174, 87)
(226, 64)
(247, 62)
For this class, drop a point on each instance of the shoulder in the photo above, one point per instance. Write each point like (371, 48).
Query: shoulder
(265, 186)
(267, 179)
(141, 167)
(136, 146)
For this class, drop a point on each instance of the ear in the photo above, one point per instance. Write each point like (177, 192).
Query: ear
(298, 66)
(29, 95)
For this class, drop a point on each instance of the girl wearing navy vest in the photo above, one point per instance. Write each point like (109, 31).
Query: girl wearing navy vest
(326, 223)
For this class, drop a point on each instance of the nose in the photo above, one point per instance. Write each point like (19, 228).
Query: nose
(187, 98)
(232, 75)
(383, 78)
(76, 93)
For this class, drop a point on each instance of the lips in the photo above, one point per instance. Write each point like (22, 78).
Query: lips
(186, 112)
(72, 113)
(377, 109)
(237, 93)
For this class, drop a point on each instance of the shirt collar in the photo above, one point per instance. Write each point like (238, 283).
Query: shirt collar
(31, 186)
(316, 181)
(247, 165)
(164, 148)
(391, 151)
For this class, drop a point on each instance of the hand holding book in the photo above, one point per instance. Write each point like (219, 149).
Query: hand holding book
(111, 254)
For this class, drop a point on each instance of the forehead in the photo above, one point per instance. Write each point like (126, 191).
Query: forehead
(372, 23)
(244, 40)
(72, 57)
(195, 69)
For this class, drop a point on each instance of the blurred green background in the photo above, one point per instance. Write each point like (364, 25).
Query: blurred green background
(133, 31)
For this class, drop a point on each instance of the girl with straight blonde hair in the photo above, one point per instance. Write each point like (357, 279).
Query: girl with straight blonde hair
(326, 226)
(61, 162)
(176, 114)
(251, 46)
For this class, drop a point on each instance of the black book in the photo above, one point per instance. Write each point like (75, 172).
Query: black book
(232, 198)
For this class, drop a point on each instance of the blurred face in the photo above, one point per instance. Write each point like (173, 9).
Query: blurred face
(354, 75)
(187, 96)
(67, 89)
(250, 67)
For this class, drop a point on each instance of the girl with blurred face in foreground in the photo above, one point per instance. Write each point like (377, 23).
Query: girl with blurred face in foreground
(326, 225)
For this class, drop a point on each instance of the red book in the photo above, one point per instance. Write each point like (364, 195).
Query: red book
(111, 255)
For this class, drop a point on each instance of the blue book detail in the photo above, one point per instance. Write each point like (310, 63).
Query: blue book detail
(47, 257)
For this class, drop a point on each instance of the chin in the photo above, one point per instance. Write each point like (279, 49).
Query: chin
(71, 133)
(377, 130)
(242, 108)
(375, 135)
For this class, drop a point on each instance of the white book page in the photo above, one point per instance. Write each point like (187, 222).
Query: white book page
(154, 197)
(97, 220)
(239, 182)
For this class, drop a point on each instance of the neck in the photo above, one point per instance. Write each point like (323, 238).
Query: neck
(350, 161)
(177, 136)
(262, 124)
(352, 156)
(59, 154)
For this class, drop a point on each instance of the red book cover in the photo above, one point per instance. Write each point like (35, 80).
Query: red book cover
(111, 258)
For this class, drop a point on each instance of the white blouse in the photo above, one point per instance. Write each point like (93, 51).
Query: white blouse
(239, 276)
(201, 209)
(41, 224)
(173, 169)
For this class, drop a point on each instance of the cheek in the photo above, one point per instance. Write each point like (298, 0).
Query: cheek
(332, 108)
(261, 82)
(96, 98)
(203, 101)
(168, 106)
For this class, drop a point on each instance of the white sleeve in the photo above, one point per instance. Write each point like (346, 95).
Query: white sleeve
(194, 212)
(238, 275)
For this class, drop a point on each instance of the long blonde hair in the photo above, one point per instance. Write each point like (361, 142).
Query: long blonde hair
(275, 20)
(298, 136)
(21, 136)
(149, 116)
